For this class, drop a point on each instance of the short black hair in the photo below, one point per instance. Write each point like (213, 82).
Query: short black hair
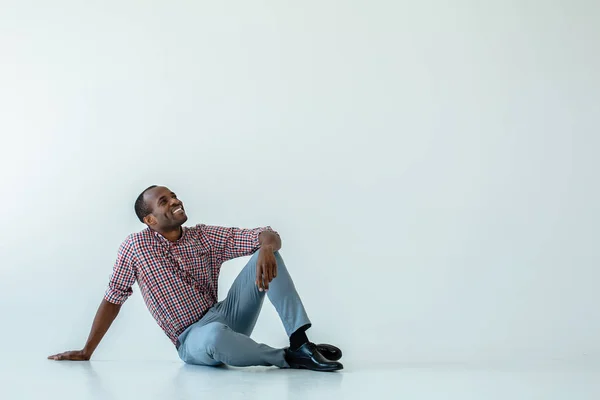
(141, 208)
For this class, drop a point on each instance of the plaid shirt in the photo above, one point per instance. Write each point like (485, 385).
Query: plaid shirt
(178, 280)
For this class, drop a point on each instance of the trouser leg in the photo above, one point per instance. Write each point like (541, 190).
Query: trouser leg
(243, 303)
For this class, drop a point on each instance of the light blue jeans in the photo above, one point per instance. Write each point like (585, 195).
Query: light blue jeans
(222, 336)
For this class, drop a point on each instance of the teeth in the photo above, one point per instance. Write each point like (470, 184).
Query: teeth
(177, 210)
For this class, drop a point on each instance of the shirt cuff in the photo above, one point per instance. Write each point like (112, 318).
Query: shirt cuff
(117, 296)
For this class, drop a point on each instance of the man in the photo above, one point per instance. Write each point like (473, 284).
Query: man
(177, 270)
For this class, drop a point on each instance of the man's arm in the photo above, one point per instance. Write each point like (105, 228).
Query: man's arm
(106, 314)
(119, 289)
(231, 243)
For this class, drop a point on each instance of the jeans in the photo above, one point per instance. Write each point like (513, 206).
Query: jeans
(222, 335)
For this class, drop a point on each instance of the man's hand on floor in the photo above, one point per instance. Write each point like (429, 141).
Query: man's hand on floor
(77, 355)
(266, 268)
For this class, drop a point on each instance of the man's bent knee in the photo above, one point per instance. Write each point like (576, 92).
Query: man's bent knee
(200, 346)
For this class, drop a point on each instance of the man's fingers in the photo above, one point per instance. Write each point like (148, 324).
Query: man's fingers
(265, 273)
(258, 276)
(268, 275)
(272, 272)
(260, 272)
(68, 355)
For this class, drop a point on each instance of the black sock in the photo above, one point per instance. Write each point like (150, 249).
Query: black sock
(299, 337)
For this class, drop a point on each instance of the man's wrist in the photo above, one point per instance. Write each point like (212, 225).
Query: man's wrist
(87, 352)
(268, 247)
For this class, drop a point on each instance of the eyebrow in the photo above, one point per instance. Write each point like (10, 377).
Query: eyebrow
(161, 198)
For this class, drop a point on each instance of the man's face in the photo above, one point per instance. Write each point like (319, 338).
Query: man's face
(167, 210)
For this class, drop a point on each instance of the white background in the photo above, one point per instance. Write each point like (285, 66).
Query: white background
(431, 166)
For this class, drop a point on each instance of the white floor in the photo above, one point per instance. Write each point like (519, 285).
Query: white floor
(41, 379)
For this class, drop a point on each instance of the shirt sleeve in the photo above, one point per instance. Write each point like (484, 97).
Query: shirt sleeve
(123, 276)
(231, 243)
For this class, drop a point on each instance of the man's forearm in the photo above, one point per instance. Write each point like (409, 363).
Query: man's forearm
(269, 240)
(106, 314)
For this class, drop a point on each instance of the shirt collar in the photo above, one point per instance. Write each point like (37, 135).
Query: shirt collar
(167, 241)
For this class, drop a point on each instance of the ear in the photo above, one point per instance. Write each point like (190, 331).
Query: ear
(150, 220)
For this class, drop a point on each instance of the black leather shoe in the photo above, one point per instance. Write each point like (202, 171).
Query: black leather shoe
(328, 351)
(307, 356)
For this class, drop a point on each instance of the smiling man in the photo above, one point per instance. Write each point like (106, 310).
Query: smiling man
(177, 270)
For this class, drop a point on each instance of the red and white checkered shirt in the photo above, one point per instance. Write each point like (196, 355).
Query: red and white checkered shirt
(178, 280)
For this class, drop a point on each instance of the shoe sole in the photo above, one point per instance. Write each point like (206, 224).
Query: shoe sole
(300, 366)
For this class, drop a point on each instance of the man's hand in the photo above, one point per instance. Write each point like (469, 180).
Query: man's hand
(266, 267)
(77, 355)
(105, 315)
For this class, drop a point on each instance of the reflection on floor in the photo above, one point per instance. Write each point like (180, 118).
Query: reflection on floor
(42, 379)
